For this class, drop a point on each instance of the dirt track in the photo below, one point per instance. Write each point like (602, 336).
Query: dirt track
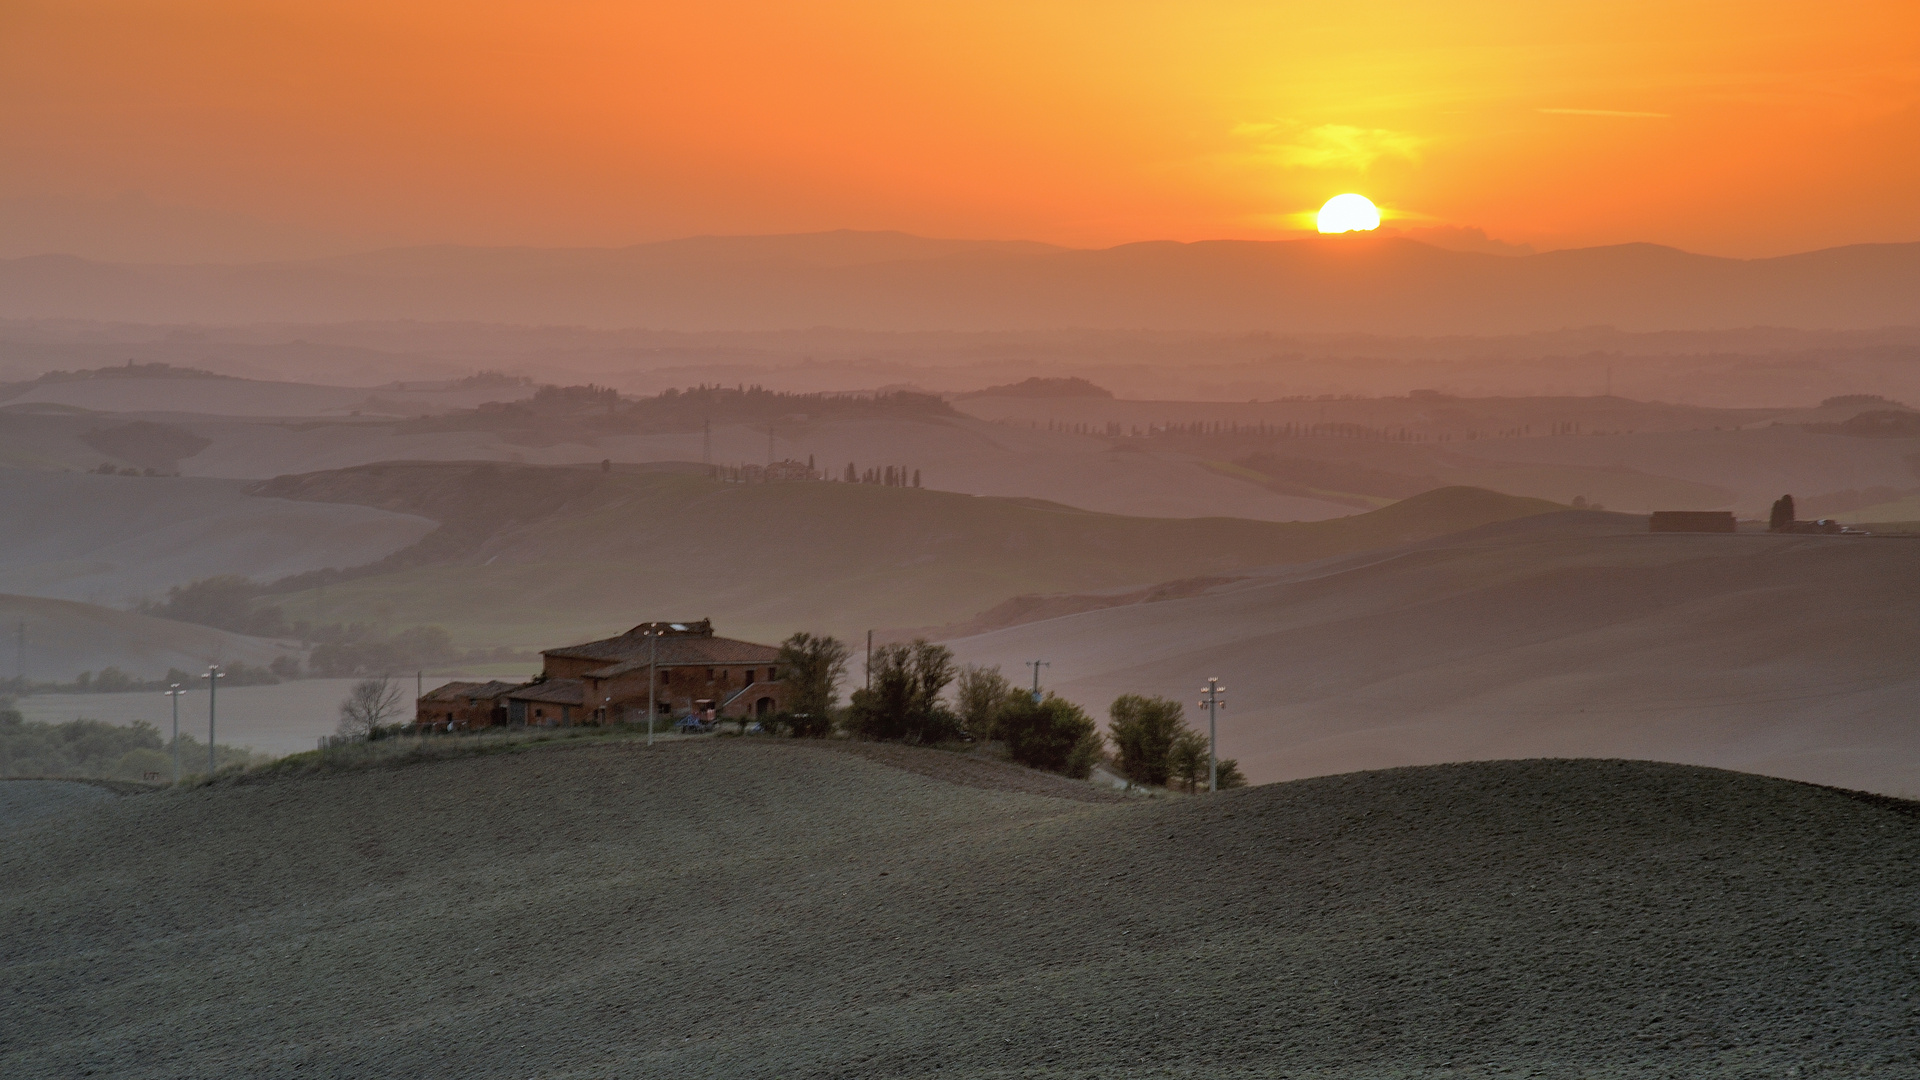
(732, 908)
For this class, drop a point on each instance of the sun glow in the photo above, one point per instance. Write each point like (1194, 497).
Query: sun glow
(1348, 213)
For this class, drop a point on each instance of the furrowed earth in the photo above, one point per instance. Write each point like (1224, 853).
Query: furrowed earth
(744, 907)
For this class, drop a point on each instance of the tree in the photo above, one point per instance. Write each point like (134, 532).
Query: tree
(916, 478)
(1782, 516)
(369, 705)
(1086, 753)
(852, 477)
(1044, 734)
(224, 602)
(904, 701)
(1230, 775)
(1143, 731)
(1187, 759)
(812, 667)
(979, 695)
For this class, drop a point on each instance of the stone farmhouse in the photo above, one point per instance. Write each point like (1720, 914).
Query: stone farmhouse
(689, 670)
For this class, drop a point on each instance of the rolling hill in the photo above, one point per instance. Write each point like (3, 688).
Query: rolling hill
(1379, 284)
(1572, 634)
(732, 908)
(115, 539)
(530, 556)
(55, 640)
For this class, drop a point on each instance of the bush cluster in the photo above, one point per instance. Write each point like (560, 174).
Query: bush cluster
(1153, 745)
(94, 749)
(904, 703)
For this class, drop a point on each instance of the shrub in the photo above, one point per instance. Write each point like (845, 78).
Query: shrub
(1230, 775)
(904, 702)
(812, 667)
(1044, 734)
(980, 694)
(1143, 731)
(136, 764)
(1187, 759)
(1085, 755)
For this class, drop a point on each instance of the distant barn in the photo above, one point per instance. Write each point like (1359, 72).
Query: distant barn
(1705, 521)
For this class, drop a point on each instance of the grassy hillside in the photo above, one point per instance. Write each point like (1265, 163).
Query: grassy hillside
(528, 556)
(1573, 634)
(741, 908)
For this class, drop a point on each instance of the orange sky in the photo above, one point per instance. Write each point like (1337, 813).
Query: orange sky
(1739, 128)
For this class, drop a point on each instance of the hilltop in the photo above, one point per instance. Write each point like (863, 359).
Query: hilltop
(529, 555)
(733, 908)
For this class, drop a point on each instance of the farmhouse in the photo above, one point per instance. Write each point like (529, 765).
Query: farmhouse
(463, 705)
(682, 669)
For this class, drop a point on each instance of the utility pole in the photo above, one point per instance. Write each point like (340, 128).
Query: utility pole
(213, 677)
(706, 442)
(869, 660)
(653, 679)
(20, 658)
(1215, 700)
(174, 691)
(769, 444)
(1036, 665)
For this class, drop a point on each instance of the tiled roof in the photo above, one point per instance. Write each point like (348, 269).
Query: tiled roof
(630, 650)
(552, 692)
(449, 692)
(462, 691)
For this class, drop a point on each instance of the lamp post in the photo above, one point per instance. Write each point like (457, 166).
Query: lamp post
(1036, 665)
(1215, 700)
(653, 680)
(174, 691)
(213, 677)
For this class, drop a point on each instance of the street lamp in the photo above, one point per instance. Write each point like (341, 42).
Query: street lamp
(213, 677)
(174, 691)
(1215, 700)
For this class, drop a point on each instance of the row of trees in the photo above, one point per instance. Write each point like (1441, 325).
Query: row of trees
(906, 701)
(884, 475)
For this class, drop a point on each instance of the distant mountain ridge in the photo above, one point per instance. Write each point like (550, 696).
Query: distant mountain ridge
(893, 281)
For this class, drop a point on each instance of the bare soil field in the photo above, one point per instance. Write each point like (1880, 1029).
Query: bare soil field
(24, 802)
(740, 908)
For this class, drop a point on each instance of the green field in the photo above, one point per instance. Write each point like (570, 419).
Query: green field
(531, 556)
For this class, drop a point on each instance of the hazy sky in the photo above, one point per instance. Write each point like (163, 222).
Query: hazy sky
(1743, 128)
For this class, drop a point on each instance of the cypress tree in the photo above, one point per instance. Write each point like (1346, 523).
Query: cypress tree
(1782, 516)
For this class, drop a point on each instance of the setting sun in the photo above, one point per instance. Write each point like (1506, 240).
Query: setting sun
(1348, 213)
